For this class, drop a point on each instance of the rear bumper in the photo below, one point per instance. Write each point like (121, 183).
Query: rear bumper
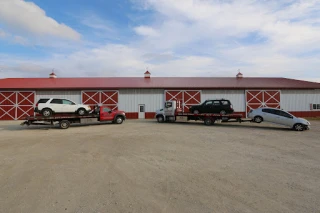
(36, 109)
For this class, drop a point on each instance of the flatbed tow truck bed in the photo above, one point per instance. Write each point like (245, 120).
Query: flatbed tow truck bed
(63, 120)
(100, 114)
(210, 118)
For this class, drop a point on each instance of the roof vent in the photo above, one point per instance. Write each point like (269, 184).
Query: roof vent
(52, 75)
(239, 75)
(147, 74)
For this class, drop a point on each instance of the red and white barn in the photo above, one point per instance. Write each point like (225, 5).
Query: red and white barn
(140, 97)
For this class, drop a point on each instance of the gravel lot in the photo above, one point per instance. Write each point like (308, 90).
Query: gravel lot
(144, 166)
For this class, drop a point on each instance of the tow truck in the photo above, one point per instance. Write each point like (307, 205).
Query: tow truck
(98, 114)
(172, 112)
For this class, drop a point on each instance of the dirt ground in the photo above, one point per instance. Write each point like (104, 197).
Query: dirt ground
(144, 166)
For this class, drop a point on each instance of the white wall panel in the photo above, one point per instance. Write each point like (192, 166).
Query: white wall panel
(71, 95)
(129, 99)
(237, 97)
(299, 100)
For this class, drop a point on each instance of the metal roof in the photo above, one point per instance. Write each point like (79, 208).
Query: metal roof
(156, 82)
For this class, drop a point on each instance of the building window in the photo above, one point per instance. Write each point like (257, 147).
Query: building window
(316, 106)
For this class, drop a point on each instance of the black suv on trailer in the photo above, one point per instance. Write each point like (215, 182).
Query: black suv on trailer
(221, 106)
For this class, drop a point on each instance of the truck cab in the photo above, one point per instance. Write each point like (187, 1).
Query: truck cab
(107, 114)
(169, 111)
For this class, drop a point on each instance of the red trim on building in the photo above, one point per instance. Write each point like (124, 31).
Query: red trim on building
(135, 115)
(306, 114)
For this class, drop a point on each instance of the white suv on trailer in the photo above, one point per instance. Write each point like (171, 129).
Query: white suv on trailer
(48, 106)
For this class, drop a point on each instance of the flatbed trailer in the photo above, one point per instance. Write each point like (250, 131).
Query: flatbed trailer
(65, 120)
(207, 118)
(172, 113)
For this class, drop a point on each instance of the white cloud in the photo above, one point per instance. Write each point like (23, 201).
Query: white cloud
(20, 40)
(145, 31)
(2, 34)
(26, 17)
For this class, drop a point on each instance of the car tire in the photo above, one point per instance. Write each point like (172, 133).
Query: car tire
(258, 119)
(222, 112)
(299, 127)
(81, 111)
(46, 112)
(196, 111)
(64, 124)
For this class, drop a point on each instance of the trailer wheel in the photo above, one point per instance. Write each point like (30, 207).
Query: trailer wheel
(64, 124)
(208, 121)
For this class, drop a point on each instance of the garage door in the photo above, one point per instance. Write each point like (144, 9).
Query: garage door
(186, 97)
(262, 98)
(107, 98)
(16, 105)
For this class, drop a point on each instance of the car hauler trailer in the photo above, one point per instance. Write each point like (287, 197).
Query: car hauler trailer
(172, 112)
(99, 114)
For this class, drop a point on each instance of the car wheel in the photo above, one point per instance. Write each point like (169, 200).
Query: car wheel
(258, 119)
(47, 112)
(299, 127)
(119, 120)
(81, 111)
(160, 119)
(196, 111)
(222, 112)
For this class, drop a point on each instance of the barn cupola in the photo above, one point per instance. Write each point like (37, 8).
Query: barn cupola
(147, 74)
(239, 75)
(52, 75)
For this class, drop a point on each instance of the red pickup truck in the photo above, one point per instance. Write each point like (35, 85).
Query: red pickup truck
(98, 114)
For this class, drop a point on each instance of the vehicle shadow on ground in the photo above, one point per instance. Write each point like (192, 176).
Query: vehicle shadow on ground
(47, 127)
(232, 126)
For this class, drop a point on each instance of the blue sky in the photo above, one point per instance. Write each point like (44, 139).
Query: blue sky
(210, 38)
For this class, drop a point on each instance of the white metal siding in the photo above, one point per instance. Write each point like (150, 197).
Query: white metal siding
(299, 100)
(129, 99)
(237, 97)
(71, 95)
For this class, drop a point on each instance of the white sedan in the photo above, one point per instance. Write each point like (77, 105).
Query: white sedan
(278, 116)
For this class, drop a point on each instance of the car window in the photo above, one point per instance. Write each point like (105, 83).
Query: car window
(106, 109)
(67, 102)
(284, 114)
(208, 103)
(225, 102)
(43, 100)
(216, 103)
(56, 101)
(168, 104)
(270, 111)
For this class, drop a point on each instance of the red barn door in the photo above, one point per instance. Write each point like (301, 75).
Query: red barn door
(8, 105)
(187, 97)
(107, 98)
(16, 105)
(262, 98)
